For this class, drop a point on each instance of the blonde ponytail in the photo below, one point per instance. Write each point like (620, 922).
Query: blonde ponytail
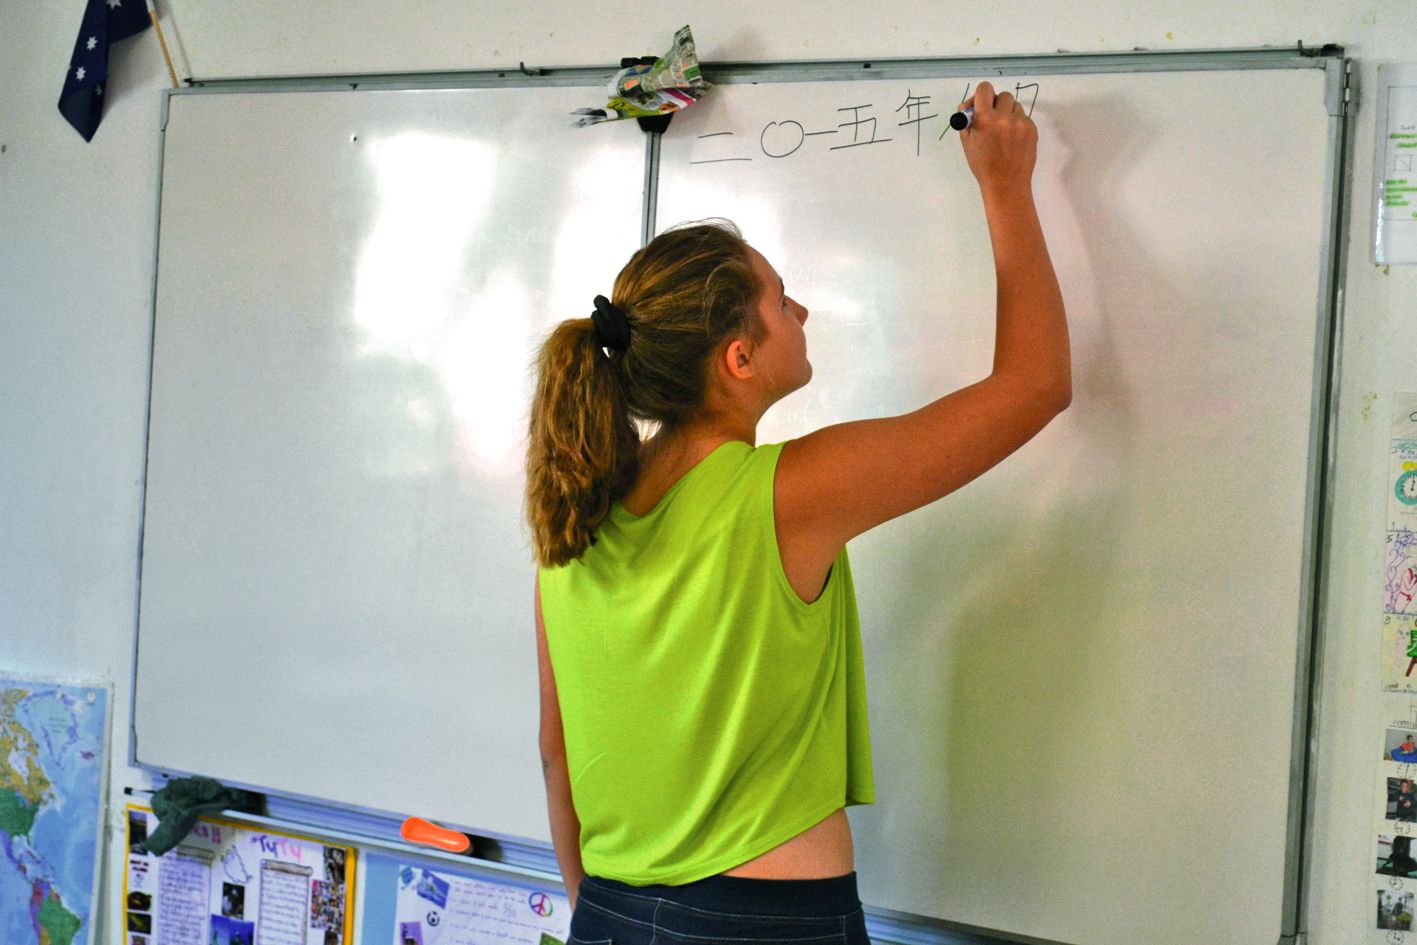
(584, 448)
(683, 294)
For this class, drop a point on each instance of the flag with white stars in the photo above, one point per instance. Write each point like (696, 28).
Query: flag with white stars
(105, 22)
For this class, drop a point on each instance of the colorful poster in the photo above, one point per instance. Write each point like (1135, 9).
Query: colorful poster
(1393, 877)
(440, 908)
(1400, 653)
(1399, 641)
(53, 778)
(231, 884)
(1402, 466)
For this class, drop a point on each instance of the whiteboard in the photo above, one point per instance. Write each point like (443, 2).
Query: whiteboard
(335, 581)
(1081, 667)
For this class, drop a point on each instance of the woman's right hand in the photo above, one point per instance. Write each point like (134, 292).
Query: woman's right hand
(1001, 143)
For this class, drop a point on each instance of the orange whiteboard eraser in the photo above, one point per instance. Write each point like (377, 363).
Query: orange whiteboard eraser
(418, 830)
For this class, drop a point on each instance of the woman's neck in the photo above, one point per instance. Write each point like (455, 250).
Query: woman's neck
(670, 453)
(688, 443)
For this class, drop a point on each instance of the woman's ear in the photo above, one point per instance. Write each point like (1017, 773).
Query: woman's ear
(738, 359)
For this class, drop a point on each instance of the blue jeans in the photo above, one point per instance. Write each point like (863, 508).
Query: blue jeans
(720, 909)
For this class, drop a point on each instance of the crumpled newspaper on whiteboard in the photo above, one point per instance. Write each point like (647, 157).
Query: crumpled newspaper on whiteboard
(671, 83)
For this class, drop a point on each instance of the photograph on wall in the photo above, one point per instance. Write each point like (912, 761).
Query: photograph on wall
(1394, 910)
(232, 884)
(1400, 745)
(1395, 856)
(1401, 800)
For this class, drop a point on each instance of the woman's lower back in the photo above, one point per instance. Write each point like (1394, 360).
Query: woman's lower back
(821, 851)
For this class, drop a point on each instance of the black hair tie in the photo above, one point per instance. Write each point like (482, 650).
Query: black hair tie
(612, 328)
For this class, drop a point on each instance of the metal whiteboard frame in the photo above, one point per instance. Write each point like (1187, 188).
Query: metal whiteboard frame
(1340, 101)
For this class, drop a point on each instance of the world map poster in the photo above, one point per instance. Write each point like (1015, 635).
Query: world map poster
(53, 775)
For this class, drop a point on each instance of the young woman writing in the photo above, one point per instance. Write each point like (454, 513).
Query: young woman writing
(703, 722)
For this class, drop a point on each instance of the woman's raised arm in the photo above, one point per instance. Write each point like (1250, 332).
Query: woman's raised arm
(842, 480)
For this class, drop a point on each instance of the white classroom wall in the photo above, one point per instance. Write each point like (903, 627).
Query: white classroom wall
(76, 263)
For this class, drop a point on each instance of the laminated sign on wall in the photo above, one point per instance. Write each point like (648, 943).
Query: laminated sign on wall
(1396, 231)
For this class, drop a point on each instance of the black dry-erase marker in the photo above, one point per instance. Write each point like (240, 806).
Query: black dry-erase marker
(962, 120)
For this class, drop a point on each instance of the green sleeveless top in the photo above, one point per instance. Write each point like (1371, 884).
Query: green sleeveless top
(710, 714)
